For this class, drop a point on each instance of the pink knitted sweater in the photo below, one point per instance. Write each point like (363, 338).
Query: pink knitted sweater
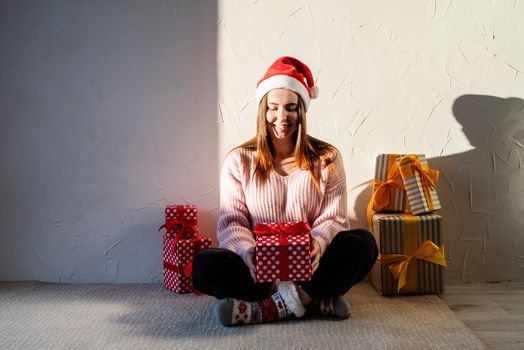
(244, 202)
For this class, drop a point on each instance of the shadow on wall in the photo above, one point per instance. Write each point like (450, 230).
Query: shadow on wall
(482, 192)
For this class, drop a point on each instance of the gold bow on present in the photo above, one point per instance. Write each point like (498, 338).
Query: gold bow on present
(428, 177)
(381, 195)
(398, 263)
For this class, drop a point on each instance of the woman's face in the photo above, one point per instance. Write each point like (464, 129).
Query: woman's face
(282, 113)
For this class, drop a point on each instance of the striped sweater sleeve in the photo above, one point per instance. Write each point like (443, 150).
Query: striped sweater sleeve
(234, 229)
(333, 211)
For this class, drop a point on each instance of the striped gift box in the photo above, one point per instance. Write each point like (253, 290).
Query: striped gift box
(386, 165)
(422, 196)
(404, 234)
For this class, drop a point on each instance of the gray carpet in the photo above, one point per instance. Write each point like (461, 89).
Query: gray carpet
(146, 316)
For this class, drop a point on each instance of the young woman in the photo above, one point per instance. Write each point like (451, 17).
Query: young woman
(280, 175)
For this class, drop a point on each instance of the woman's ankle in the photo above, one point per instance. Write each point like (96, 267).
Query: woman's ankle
(304, 297)
(273, 289)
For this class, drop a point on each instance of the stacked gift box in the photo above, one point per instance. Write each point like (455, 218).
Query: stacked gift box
(408, 232)
(182, 242)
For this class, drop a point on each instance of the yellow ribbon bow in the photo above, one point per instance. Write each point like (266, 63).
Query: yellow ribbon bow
(380, 198)
(428, 177)
(398, 263)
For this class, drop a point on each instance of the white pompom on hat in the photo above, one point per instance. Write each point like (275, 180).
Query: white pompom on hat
(290, 73)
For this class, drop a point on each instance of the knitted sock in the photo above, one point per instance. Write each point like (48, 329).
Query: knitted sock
(337, 306)
(289, 293)
(230, 312)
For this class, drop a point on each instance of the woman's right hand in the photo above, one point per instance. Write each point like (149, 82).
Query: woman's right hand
(250, 262)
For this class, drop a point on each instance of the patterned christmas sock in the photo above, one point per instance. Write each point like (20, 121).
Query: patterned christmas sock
(289, 293)
(230, 312)
(337, 306)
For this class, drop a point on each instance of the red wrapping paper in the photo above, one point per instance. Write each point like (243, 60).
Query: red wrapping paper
(282, 252)
(181, 221)
(178, 255)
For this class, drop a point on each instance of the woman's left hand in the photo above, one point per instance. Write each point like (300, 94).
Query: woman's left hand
(314, 254)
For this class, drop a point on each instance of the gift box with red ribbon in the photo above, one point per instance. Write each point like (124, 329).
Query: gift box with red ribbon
(282, 251)
(181, 244)
(181, 220)
(178, 258)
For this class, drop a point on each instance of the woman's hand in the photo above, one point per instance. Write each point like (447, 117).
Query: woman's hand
(314, 254)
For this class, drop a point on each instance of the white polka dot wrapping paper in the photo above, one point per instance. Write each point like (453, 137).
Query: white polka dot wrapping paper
(181, 220)
(177, 256)
(282, 251)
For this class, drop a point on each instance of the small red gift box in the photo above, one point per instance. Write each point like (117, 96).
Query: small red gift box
(181, 220)
(282, 251)
(178, 256)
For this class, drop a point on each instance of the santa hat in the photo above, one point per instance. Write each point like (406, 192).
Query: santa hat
(290, 73)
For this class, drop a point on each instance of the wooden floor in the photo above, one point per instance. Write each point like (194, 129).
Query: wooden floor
(493, 311)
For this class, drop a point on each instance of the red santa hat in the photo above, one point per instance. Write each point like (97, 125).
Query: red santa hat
(290, 73)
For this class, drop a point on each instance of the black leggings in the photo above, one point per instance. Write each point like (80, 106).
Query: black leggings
(347, 260)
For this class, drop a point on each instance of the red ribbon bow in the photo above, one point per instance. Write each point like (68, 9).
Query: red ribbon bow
(187, 271)
(282, 229)
(181, 227)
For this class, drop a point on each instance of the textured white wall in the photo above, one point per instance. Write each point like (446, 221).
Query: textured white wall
(444, 78)
(107, 113)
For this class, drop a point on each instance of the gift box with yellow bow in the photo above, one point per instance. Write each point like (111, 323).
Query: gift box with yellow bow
(388, 188)
(419, 182)
(404, 183)
(411, 256)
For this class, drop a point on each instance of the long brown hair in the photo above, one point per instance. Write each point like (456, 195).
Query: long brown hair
(310, 153)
